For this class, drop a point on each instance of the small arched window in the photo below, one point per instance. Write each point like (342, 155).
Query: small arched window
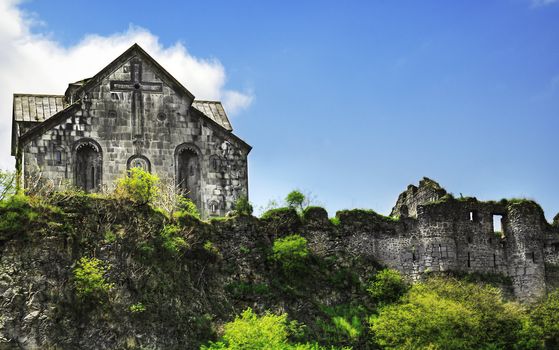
(213, 205)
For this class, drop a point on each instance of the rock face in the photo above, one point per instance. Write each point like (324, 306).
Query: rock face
(166, 298)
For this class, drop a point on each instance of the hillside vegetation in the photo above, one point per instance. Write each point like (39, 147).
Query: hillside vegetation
(138, 269)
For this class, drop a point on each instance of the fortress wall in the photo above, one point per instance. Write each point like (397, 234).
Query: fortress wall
(447, 237)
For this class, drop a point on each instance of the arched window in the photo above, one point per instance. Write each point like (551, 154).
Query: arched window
(188, 172)
(213, 205)
(88, 165)
(138, 161)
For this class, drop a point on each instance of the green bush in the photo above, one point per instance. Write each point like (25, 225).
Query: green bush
(335, 221)
(89, 278)
(251, 332)
(344, 324)
(186, 206)
(545, 317)
(172, 241)
(387, 286)
(242, 206)
(139, 186)
(15, 213)
(450, 314)
(290, 251)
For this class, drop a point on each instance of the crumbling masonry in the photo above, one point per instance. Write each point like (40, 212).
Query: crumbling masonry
(431, 231)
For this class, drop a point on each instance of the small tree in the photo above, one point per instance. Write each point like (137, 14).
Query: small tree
(296, 199)
(243, 206)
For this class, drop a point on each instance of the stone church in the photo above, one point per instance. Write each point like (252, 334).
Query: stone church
(133, 113)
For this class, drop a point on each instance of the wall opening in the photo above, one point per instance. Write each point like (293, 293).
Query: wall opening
(494, 260)
(188, 172)
(413, 253)
(58, 157)
(498, 225)
(469, 261)
(88, 163)
(440, 251)
(474, 216)
(533, 257)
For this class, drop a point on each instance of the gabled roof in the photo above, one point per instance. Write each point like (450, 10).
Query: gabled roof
(36, 108)
(128, 54)
(50, 110)
(214, 110)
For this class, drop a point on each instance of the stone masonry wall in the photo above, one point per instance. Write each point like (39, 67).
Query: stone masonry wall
(452, 236)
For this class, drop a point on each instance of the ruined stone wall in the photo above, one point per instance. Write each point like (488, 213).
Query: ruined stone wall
(106, 117)
(454, 236)
(408, 201)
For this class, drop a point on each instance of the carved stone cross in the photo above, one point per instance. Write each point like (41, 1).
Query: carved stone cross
(137, 87)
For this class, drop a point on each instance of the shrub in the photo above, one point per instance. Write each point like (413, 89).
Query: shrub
(290, 251)
(335, 221)
(139, 186)
(242, 206)
(249, 331)
(387, 286)
(15, 213)
(186, 206)
(137, 308)
(450, 314)
(109, 236)
(546, 317)
(89, 278)
(172, 242)
(345, 323)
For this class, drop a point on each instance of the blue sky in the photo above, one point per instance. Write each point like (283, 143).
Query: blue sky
(352, 101)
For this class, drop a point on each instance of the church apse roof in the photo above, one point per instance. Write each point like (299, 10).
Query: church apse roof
(213, 110)
(36, 108)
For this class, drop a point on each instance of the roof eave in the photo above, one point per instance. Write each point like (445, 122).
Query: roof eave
(50, 122)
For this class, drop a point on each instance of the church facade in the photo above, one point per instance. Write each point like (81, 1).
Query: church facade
(132, 113)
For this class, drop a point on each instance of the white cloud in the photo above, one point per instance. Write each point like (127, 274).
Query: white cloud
(236, 101)
(538, 3)
(33, 63)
